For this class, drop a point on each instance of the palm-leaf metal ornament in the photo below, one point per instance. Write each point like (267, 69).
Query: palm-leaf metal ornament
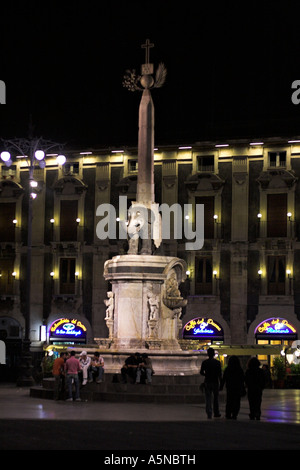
(132, 80)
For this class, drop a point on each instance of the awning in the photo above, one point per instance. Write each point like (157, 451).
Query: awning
(248, 349)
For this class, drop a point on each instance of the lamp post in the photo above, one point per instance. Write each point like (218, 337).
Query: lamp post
(33, 150)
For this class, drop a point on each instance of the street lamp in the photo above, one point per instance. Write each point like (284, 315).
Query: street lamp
(33, 150)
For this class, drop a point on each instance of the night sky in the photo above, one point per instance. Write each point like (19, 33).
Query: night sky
(230, 70)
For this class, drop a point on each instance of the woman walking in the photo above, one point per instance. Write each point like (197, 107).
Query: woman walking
(233, 378)
(255, 382)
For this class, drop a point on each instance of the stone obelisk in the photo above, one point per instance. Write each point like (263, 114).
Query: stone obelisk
(145, 303)
(145, 185)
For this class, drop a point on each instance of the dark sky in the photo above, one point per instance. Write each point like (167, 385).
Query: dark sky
(230, 69)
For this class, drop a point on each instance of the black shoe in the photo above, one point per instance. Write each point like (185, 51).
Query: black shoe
(217, 416)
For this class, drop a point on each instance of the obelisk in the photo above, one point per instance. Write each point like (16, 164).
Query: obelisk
(145, 183)
(146, 301)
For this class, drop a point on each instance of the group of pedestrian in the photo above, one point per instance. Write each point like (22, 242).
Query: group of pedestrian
(137, 367)
(237, 384)
(66, 370)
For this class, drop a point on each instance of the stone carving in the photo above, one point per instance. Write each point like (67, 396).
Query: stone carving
(110, 306)
(109, 318)
(153, 301)
(139, 230)
(172, 298)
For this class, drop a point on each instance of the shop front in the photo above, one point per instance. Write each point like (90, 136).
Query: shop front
(275, 331)
(63, 333)
(202, 332)
(280, 332)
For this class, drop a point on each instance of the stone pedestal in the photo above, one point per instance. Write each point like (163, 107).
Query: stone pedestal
(147, 304)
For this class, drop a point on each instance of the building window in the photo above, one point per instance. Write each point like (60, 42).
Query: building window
(8, 172)
(71, 168)
(68, 223)
(7, 226)
(132, 165)
(6, 276)
(67, 276)
(205, 163)
(277, 159)
(203, 277)
(276, 275)
(277, 215)
(209, 204)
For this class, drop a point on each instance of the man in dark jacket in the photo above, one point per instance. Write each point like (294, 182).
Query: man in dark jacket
(130, 367)
(211, 369)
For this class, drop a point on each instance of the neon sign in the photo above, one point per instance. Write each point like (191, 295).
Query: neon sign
(275, 327)
(202, 328)
(66, 328)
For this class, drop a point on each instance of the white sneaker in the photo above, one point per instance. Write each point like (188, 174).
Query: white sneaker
(84, 382)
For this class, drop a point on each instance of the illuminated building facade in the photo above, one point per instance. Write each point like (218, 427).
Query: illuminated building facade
(246, 272)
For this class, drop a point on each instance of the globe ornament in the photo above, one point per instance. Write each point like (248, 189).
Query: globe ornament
(147, 81)
(131, 80)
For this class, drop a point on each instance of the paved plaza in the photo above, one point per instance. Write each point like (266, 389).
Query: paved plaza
(28, 423)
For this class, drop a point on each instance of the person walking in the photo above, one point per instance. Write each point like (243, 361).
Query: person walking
(233, 379)
(211, 370)
(255, 383)
(72, 367)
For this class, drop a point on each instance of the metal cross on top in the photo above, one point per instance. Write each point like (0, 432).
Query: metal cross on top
(147, 46)
(147, 68)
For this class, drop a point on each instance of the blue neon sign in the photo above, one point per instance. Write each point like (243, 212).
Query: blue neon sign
(275, 327)
(66, 328)
(202, 328)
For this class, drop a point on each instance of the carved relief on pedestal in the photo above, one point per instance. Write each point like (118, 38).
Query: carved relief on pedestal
(109, 317)
(172, 297)
(153, 318)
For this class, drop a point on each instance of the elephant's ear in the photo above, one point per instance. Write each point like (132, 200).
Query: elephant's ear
(156, 225)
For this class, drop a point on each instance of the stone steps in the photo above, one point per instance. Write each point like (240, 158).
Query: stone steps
(164, 389)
